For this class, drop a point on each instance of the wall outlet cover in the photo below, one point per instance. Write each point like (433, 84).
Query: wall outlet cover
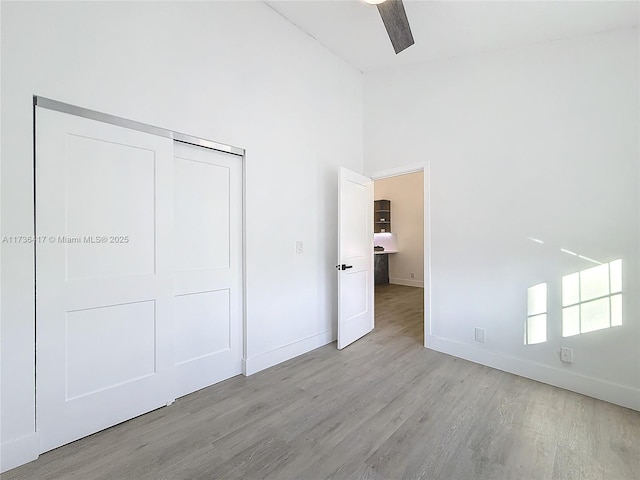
(566, 355)
(480, 335)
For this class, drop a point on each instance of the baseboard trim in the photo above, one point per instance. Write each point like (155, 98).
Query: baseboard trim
(407, 282)
(19, 451)
(593, 387)
(269, 359)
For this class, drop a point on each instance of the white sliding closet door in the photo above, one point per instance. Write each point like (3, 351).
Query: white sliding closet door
(104, 287)
(138, 273)
(208, 266)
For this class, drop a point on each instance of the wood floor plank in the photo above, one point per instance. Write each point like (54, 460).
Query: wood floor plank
(384, 408)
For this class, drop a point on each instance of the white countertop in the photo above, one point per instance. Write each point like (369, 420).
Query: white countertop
(382, 252)
(386, 240)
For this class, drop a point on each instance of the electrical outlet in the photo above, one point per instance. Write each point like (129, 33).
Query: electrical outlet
(299, 248)
(480, 335)
(566, 355)
(413, 275)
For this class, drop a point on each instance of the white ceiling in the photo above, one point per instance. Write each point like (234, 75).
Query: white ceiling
(354, 31)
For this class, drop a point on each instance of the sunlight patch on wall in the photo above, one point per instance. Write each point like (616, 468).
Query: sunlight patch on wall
(592, 299)
(536, 330)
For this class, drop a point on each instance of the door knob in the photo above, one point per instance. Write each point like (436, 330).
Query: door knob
(344, 267)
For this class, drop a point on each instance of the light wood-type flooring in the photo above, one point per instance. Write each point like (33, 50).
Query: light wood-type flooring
(383, 408)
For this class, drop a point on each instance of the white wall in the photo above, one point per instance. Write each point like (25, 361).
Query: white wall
(406, 193)
(533, 142)
(234, 72)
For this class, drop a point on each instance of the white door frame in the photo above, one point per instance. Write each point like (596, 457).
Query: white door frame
(50, 104)
(425, 168)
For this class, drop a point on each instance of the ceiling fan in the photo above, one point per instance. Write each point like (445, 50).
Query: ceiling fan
(396, 22)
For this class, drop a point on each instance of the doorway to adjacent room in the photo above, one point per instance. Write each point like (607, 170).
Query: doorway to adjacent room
(399, 241)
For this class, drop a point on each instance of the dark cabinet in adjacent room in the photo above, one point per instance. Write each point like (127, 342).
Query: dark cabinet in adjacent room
(381, 216)
(381, 268)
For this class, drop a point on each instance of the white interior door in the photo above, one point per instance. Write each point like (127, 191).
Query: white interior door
(104, 199)
(208, 267)
(355, 251)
